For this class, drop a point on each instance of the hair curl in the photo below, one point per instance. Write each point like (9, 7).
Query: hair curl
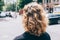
(34, 19)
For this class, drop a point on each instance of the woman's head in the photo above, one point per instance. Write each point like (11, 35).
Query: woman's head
(34, 19)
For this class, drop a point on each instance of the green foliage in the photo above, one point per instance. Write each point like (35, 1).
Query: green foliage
(39, 1)
(22, 3)
(0, 8)
(11, 7)
(1, 5)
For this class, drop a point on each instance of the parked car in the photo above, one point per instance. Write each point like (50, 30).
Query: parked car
(2, 15)
(8, 14)
(54, 18)
(13, 14)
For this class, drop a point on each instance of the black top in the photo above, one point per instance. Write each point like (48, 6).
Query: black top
(28, 36)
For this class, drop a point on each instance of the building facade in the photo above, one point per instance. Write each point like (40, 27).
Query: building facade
(51, 1)
(49, 4)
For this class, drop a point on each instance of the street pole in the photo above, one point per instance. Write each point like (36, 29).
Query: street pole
(16, 5)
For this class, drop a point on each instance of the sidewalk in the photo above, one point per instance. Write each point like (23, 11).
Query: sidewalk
(54, 31)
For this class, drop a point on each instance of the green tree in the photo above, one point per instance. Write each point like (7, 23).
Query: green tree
(23, 2)
(11, 7)
(1, 4)
(39, 1)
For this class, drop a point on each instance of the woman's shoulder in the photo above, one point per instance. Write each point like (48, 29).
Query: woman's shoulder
(45, 36)
(22, 36)
(27, 36)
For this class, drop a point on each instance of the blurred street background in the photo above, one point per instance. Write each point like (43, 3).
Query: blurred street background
(10, 28)
(11, 17)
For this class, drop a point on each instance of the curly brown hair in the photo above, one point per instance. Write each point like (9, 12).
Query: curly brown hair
(34, 19)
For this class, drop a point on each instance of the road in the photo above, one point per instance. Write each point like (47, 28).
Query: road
(54, 31)
(12, 27)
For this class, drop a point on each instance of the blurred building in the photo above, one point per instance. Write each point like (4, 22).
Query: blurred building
(51, 1)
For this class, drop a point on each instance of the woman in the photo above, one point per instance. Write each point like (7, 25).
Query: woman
(35, 23)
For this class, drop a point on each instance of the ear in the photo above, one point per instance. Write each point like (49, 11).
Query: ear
(21, 11)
